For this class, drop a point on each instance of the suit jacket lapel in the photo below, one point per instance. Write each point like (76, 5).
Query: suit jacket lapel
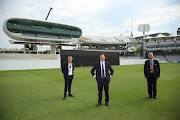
(67, 68)
(105, 66)
(153, 62)
(99, 67)
(149, 64)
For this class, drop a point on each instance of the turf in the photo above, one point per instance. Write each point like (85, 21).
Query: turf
(37, 95)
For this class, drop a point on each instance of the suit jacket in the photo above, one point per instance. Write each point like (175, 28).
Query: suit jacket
(97, 67)
(65, 70)
(147, 69)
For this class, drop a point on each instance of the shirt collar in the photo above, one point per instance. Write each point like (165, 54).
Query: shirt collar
(102, 62)
(150, 59)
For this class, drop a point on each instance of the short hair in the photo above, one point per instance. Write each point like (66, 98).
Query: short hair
(150, 53)
(70, 57)
(102, 54)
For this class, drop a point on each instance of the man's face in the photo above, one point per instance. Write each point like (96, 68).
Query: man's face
(102, 57)
(70, 60)
(150, 56)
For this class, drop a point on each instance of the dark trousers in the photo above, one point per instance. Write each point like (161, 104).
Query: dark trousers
(103, 83)
(152, 84)
(68, 82)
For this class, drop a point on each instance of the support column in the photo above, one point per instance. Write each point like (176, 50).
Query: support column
(53, 49)
(34, 48)
(24, 48)
(144, 49)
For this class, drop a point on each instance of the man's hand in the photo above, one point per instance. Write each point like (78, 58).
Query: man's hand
(146, 77)
(94, 76)
(110, 76)
(157, 77)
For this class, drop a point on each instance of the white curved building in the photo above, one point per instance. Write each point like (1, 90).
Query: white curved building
(35, 32)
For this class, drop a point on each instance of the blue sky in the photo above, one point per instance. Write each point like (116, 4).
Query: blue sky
(96, 17)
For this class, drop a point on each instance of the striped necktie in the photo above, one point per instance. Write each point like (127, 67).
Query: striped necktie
(152, 68)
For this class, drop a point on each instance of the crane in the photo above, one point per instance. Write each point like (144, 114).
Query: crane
(48, 13)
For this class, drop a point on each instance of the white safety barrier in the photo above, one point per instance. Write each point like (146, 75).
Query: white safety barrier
(131, 61)
(29, 61)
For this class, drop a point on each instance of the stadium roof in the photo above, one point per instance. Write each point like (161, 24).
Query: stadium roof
(105, 40)
(162, 37)
(154, 35)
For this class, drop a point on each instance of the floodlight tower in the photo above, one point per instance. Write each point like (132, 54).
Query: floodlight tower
(143, 28)
(48, 13)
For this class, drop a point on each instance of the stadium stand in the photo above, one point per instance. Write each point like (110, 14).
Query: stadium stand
(161, 58)
(173, 57)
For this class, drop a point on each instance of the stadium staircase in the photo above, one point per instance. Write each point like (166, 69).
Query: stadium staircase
(164, 56)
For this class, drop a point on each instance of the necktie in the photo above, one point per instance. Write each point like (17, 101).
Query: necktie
(102, 70)
(69, 67)
(152, 68)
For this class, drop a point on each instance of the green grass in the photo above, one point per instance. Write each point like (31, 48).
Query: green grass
(37, 95)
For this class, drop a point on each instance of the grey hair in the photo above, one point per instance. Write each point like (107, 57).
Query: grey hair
(150, 53)
(70, 57)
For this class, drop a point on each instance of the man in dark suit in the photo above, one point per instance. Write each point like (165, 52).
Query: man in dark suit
(68, 71)
(102, 77)
(151, 73)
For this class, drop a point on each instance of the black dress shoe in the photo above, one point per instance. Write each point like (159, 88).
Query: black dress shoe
(98, 104)
(150, 96)
(64, 97)
(107, 104)
(70, 95)
(155, 97)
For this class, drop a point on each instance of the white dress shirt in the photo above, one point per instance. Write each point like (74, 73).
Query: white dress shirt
(70, 69)
(103, 67)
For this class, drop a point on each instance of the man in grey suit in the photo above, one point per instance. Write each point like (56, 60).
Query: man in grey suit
(102, 77)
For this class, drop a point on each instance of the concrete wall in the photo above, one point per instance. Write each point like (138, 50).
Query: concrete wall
(131, 61)
(29, 61)
(43, 61)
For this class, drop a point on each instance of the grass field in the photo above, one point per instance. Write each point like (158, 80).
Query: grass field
(37, 95)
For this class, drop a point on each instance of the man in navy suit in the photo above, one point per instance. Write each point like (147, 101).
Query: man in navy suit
(68, 71)
(151, 73)
(102, 77)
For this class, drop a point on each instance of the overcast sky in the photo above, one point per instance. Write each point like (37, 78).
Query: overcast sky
(96, 17)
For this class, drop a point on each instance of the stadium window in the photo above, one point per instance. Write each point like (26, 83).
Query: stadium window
(12, 21)
(113, 47)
